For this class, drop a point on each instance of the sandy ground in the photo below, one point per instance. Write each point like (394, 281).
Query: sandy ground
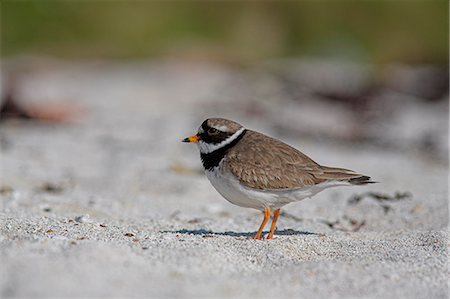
(113, 204)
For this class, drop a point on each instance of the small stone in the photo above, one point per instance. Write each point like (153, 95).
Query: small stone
(82, 218)
(195, 220)
(51, 188)
(6, 189)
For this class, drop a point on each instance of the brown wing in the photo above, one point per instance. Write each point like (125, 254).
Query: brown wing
(277, 165)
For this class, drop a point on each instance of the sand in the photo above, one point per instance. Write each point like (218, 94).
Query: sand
(113, 204)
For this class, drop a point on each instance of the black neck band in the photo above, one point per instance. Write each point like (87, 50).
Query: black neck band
(213, 159)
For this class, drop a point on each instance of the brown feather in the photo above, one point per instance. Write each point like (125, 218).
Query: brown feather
(265, 163)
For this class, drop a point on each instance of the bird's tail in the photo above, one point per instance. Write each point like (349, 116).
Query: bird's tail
(345, 175)
(361, 180)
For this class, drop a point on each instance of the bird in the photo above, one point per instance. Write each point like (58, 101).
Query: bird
(253, 170)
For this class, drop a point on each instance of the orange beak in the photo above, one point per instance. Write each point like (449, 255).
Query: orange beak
(193, 138)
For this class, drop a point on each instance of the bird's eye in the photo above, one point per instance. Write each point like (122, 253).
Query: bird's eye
(213, 131)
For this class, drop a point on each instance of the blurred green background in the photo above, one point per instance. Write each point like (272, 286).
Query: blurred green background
(244, 32)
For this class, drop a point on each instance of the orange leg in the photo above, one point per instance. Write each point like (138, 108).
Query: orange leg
(274, 223)
(266, 218)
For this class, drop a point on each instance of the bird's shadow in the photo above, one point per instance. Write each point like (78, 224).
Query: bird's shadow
(204, 232)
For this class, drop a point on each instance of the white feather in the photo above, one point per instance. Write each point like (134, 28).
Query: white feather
(232, 190)
(206, 148)
(221, 128)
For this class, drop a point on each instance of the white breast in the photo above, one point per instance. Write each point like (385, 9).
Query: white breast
(230, 188)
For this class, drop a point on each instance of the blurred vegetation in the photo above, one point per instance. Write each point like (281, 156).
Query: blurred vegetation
(375, 31)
